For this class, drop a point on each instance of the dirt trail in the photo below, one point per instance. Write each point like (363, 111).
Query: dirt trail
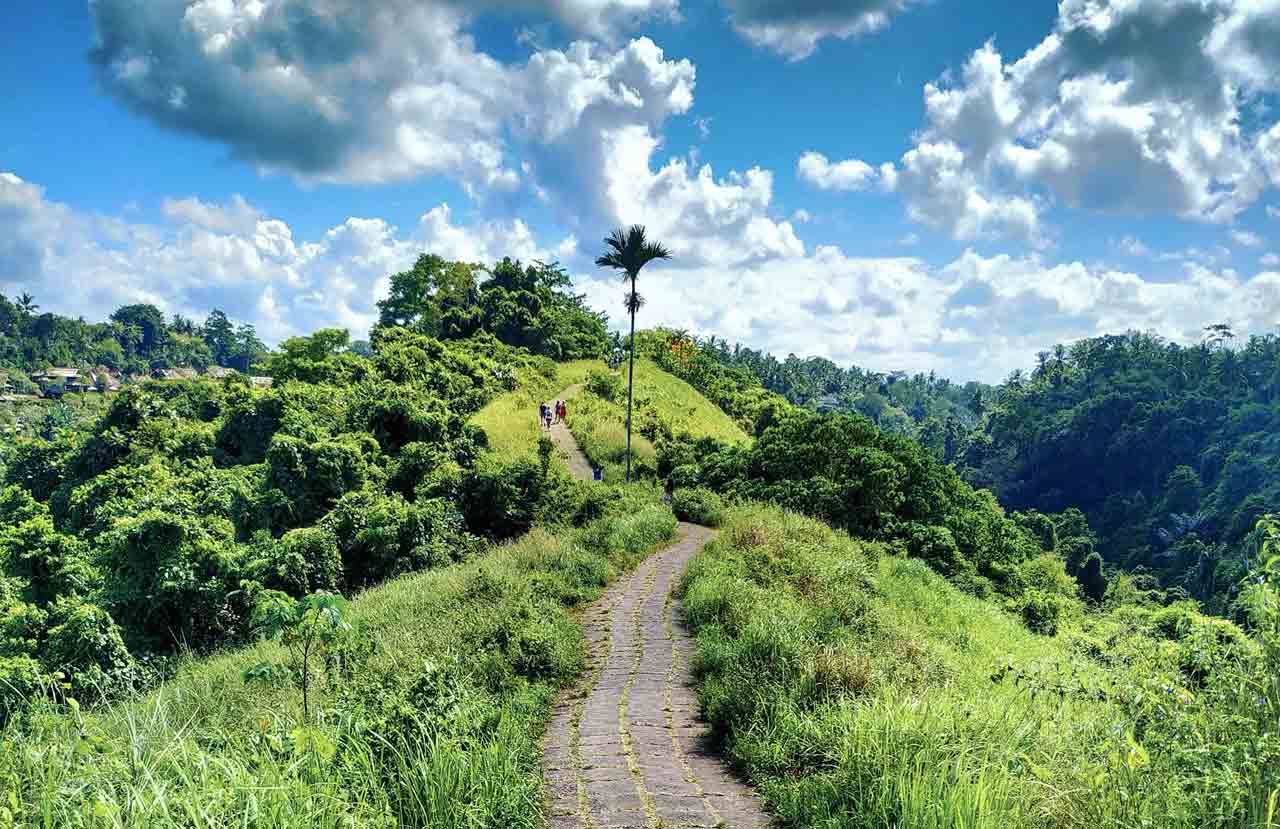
(625, 747)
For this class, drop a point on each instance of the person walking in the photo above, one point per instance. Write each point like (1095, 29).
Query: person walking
(564, 411)
(542, 415)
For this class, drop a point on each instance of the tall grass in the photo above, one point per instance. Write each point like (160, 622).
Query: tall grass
(860, 689)
(511, 420)
(439, 729)
(664, 405)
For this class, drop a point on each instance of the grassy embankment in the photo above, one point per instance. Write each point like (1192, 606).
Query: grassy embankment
(440, 727)
(511, 420)
(857, 688)
(663, 403)
(436, 727)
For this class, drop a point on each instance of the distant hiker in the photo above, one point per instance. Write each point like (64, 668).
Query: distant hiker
(564, 411)
(543, 417)
(669, 490)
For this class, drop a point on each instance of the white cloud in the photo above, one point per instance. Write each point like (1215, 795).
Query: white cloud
(700, 217)
(1134, 247)
(853, 174)
(346, 91)
(1127, 106)
(1273, 212)
(233, 257)
(801, 217)
(375, 92)
(910, 240)
(941, 192)
(1245, 238)
(975, 317)
(794, 29)
(1270, 260)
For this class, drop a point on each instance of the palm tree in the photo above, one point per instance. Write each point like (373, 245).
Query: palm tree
(27, 304)
(628, 250)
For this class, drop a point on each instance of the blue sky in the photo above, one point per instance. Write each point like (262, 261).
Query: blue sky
(904, 184)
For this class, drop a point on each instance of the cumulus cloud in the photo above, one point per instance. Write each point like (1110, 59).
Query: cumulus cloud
(1126, 107)
(1134, 247)
(230, 256)
(977, 316)
(1270, 260)
(794, 29)
(817, 170)
(371, 92)
(1246, 238)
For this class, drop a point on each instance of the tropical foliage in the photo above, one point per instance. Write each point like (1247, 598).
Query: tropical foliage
(1171, 452)
(859, 689)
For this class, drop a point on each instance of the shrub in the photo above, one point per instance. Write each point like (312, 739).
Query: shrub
(1041, 611)
(937, 547)
(85, 644)
(699, 506)
(21, 682)
(606, 385)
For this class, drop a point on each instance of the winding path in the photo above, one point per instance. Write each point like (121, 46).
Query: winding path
(625, 747)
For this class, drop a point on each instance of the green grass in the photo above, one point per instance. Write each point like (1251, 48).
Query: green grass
(439, 729)
(511, 420)
(664, 405)
(859, 689)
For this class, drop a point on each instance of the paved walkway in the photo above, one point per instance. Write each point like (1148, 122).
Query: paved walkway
(579, 466)
(625, 747)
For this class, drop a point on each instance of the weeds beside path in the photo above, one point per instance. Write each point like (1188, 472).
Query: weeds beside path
(625, 747)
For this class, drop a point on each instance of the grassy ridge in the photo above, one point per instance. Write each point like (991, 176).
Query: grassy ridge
(665, 405)
(858, 688)
(438, 729)
(511, 420)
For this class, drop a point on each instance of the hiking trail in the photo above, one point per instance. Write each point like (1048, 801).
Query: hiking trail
(625, 748)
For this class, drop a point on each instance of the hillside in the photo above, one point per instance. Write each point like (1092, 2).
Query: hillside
(665, 406)
(176, 641)
(857, 688)
(1170, 452)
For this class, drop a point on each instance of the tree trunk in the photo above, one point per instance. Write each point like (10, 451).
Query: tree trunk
(631, 373)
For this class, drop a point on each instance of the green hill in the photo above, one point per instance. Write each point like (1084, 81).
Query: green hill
(664, 406)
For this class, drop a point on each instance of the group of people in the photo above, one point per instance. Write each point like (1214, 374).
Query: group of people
(552, 413)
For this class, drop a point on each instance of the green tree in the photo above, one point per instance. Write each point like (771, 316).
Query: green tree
(629, 250)
(432, 297)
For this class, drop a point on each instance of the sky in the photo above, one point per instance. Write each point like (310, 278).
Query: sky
(900, 184)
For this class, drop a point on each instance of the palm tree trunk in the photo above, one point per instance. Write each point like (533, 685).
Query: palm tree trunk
(631, 374)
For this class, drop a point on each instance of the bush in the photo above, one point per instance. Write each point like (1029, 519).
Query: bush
(85, 644)
(606, 385)
(1041, 611)
(698, 506)
(21, 682)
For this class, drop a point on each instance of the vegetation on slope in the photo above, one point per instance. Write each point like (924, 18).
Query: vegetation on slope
(859, 689)
(510, 421)
(163, 523)
(1171, 452)
(432, 720)
(665, 407)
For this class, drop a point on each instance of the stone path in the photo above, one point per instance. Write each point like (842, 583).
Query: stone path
(625, 748)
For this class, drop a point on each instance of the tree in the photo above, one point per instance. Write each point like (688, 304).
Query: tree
(429, 295)
(27, 304)
(150, 325)
(628, 250)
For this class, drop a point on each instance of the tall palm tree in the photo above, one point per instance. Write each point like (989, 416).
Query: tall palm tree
(628, 250)
(27, 304)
